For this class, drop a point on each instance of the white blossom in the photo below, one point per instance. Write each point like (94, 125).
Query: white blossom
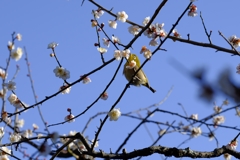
(126, 53)
(176, 34)
(61, 73)
(227, 156)
(117, 55)
(232, 145)
(106, 42)
(114, 114)
(102, 50)
(20, 123)
(153, 42)
(66, 90)
(86, 80)
(234, 41)
(217, 109)
(192, 11)
(147, 54)
(69, 118)
(134, 30)
(10, 85)
(146, 20)
(10, 45)
(196, 131)
(15, 137)
(112, 24)
(218, 120)
(194, 116)
(122, 16)
(52, 45)
(27, 133)
(35, 126)
(115, 39)
(12, 98)
(16, 54)
(3, 74)
(162, 33)
(94, 23)
(98, 13)
(19, 37)
(4, 151)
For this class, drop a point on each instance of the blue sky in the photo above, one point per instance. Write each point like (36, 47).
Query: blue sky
(67, 23)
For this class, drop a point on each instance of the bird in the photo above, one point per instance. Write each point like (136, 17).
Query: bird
(140, 78)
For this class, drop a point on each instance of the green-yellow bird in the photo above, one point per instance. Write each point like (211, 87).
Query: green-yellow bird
(140, 78)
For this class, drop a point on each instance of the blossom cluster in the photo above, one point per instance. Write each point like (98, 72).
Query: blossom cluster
(13, 99)
(15, 54)
(118, 55)
(106, 41)
(77, 143)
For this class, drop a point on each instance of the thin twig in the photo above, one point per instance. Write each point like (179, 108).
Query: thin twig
(205, 29)
(60, 91)
(134, 130)
(220, 33)
(98, 37)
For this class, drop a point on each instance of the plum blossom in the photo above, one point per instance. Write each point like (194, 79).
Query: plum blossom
(98, 13)
(117, 55)
(61, 73)
(126, 53)
(16, 54)
(234, 41)
(102, 50)
(3, 74)
(114, 114)
(196, 131)
(69, 118)
(52, 45)
(146, 20)
(19, 37)
(122, 16)
(10, 85)
(134, 30)
(192, 11)
(112, 24)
